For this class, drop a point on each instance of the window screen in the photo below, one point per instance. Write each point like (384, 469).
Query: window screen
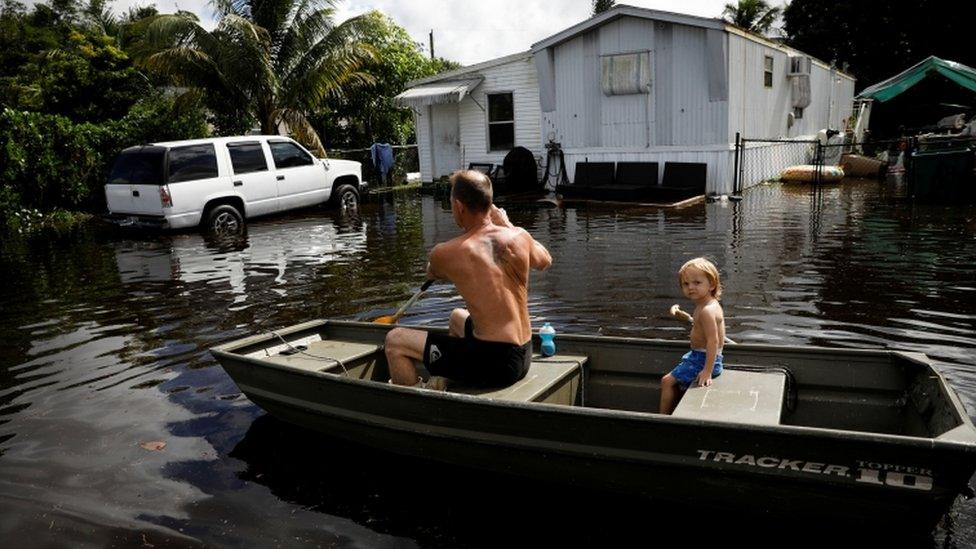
(192, 162)
(247, 157)
(625, 73)
(768, 71)
(501, 122)
(288, 155)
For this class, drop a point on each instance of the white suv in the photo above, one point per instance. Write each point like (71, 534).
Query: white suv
(217, 183)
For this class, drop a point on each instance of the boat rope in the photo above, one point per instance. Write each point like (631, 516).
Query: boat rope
(791, 390)
(300, 350)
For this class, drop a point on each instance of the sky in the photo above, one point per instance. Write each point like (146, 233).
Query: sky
(467, 31)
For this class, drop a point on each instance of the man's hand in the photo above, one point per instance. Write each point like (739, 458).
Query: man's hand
(499, 217)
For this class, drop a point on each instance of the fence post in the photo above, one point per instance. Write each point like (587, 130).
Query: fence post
(818, 178)
(735, 169)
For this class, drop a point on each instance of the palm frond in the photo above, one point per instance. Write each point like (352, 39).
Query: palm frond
(232, 7)
(306, 30)
(301, 129)
(321, 71)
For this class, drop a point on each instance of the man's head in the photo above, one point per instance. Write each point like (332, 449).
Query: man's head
(470, 195)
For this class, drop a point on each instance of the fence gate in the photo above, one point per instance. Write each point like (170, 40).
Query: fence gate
(760, 160)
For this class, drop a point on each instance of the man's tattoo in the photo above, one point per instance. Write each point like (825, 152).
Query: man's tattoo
(496, 249)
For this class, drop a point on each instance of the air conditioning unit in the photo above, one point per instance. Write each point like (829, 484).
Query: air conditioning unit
(800, 65)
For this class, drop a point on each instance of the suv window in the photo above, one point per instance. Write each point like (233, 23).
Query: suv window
(138, 166)
(247, 157)
(192, 162)
(288, 155)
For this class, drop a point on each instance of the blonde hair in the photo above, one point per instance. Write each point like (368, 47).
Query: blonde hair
(707, 267)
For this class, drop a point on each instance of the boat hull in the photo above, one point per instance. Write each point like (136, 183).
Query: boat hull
(798, 473)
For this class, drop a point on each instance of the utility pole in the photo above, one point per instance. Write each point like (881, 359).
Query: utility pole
(431, 44)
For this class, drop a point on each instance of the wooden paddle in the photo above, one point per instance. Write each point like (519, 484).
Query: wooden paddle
(391, 319)
(676, 312)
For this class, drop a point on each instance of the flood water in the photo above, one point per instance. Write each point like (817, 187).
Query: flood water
(106, 338)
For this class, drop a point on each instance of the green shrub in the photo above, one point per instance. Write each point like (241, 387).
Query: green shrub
(47, 162)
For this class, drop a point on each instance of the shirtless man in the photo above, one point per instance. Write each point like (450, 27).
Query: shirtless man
(489, 343)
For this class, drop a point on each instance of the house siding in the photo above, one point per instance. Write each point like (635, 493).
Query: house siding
(676, 112)
(519, 78)
(759, 112)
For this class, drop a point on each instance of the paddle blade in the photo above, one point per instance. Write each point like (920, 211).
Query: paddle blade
(385, 319)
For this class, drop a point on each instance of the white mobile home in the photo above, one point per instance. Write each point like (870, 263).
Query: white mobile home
(634, 84)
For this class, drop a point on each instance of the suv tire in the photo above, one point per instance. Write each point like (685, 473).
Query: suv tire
(224, 220)
(346, 198)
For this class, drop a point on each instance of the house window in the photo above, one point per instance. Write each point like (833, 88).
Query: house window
(501, 122)
(626, 73)
(768, 71)
(797, 112)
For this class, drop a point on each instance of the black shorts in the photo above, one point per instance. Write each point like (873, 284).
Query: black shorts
(474, 361)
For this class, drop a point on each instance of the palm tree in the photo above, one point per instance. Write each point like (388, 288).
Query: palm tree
(269, 61)
(600, 6)
(753, 15)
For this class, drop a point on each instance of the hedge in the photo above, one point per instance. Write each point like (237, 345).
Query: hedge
(47, 162)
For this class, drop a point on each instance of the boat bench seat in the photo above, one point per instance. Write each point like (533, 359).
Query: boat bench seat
(737, 396)
(553, 380)
(323, 356)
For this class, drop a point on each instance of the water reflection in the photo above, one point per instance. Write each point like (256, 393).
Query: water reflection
(107, 337)
(225, 263)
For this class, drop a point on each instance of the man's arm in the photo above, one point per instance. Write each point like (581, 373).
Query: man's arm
(499, 217)
(435, 263)
(539, 257)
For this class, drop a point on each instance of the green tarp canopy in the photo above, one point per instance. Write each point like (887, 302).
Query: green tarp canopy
(896, 85)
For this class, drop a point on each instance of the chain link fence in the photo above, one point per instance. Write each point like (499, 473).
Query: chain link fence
(761, 160)
(406, 160)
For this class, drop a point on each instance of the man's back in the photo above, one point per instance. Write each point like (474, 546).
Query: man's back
(490, 268)
(489, 344)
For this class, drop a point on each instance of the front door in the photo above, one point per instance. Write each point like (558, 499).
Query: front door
(446, 139)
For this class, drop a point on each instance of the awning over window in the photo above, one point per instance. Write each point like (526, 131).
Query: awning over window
(450, 91)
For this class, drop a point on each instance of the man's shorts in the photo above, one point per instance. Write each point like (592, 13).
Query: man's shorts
(692, 363)
(474, 361)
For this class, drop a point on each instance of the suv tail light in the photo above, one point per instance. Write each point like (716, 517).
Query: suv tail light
(164, 198)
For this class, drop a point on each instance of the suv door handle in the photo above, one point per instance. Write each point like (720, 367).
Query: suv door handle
(135, 193)
(238, 183)
(281, 178)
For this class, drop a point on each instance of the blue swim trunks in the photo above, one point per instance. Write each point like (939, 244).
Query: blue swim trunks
(692, 363)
